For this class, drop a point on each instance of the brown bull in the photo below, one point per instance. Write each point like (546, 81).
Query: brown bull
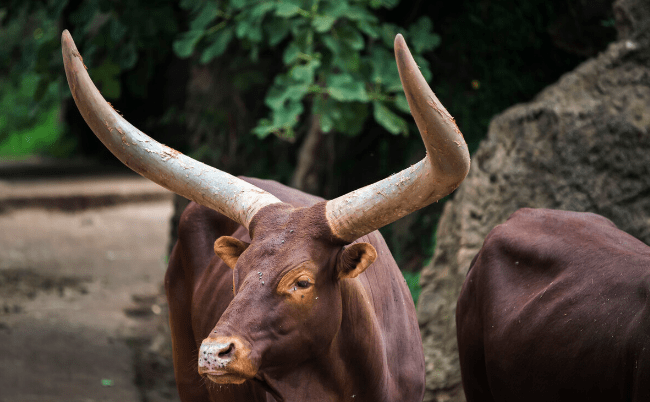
(555, 307)
(288, 311)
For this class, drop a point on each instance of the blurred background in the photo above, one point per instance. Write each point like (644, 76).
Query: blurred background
(304, 92)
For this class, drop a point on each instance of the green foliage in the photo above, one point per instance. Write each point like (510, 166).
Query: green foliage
(116, 43)
(121, 49)
(336, 54)
(29, 103)
(43, 136)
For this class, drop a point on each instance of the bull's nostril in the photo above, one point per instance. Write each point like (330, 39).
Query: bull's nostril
(227, 351)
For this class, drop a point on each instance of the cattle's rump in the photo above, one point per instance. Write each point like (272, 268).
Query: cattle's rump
(555, 308)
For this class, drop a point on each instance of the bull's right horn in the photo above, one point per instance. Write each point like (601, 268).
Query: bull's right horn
(233, 197)
(438, 174)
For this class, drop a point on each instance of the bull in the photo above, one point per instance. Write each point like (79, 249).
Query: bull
(270, 298)
(555, 308)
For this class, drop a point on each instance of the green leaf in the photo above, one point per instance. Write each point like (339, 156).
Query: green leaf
(283, 121)
(351, 37)
(184, 46)
(323, 23)
(344, 88)
(326, 123)
(249, 29)
(238, 4)
(305, 73)
(261, 9)
(358, 13)
(352, 117)
(287, 10)
(351, 61)
(389, 120)
(291, 53)
(276, 30)
(332, 44)
(402, 104)
(284, 90)
(384, 3)
(218, 46)
(287, 116)
(388, 33)
(335, 9)
(191, 5)
(368, 29)
(264, 128)
(205, 16)
(242, 27)
(384, 70)
(421, 37)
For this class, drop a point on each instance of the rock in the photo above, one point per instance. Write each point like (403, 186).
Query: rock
(582, 144)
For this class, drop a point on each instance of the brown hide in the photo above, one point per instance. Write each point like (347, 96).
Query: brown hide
(351, 339)
(555, 308)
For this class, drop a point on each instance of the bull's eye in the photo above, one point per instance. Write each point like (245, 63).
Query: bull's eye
(298, 282)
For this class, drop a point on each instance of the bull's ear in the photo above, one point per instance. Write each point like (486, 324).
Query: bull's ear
(354, 259)
(229, 249)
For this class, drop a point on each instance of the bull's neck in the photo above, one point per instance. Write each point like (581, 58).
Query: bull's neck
(354, 369)
(361, 347)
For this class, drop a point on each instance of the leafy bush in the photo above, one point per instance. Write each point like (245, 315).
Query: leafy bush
(337, 58)
(29, 104)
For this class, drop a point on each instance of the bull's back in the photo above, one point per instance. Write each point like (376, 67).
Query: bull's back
(555, 307)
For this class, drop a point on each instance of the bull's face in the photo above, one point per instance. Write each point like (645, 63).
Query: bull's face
(287, 304)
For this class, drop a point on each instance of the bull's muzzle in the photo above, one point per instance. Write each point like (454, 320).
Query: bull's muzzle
(226, 360)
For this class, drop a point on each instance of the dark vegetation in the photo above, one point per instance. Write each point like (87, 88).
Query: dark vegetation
(298, 91)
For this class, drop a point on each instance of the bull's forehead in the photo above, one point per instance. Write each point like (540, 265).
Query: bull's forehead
(276, 254)
(285, 237)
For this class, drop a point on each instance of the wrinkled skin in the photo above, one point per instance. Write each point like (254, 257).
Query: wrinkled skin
(555, 308)
(311, 320)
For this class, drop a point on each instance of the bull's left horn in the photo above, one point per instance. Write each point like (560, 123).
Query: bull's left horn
(438, 174)
(183, 175)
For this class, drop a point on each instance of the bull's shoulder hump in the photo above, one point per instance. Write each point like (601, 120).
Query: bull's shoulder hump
(284, 193)
(552, 228)
(553, 234)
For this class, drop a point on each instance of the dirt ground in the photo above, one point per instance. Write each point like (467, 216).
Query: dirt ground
(82, 312)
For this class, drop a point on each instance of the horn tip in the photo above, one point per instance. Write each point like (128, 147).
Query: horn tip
(69, 50)
(66, 39)
(67, 44)
(399, 41)
(402, 53)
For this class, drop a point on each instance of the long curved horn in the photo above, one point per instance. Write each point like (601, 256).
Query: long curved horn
(443, 169)
(181, 174)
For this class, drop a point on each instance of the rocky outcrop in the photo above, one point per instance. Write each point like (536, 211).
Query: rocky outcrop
(582, 144)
